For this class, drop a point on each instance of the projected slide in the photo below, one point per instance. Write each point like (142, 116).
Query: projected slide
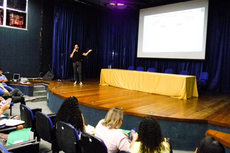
(174, 34)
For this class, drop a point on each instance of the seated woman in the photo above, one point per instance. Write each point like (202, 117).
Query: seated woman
(70, 112)
(150, 138)
(107, 130)
(210, 144)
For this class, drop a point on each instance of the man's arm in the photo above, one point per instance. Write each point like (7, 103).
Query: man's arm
(3, 79)
(85, 54)
(71, 55)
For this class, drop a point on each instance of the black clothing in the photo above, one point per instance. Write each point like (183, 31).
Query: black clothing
(77, 56)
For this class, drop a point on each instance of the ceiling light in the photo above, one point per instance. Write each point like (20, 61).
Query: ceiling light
(116, 6)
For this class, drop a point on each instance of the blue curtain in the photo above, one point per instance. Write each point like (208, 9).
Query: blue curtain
(112, 34)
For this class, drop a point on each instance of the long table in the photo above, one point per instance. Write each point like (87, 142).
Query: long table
(174, 85)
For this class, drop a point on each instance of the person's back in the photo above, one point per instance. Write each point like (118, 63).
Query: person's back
(108, 130)
(114, 139)
(70, 112)
(150, 138)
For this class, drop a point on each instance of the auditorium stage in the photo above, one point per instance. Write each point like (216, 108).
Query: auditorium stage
(210, 107)
(184, 121)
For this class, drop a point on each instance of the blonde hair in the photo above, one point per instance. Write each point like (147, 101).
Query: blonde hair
(113, 118)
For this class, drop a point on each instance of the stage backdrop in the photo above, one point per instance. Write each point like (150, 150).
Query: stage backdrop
(112, 34)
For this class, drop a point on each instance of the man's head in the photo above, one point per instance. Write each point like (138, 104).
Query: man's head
(1, 71)
(76, 47)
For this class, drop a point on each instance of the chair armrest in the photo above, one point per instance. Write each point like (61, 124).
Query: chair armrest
(27, 146)
(7, 130)
(52, 117)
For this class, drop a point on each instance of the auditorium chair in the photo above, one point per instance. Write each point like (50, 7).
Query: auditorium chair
(28, 115)
(131, 68)
(140, 68)
(202, 80)
(151, 69)
(169, 71)
(184, 72)
(67, 138)
(45, 128)
(92, 144)
(14, 99)
(30, 146)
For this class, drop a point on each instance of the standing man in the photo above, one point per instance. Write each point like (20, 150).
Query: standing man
(3, 80)
(76, 55)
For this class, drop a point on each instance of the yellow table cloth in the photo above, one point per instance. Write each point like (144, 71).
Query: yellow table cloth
(178, 86)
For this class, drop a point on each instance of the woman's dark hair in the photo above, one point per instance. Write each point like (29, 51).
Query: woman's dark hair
(70, 112)
(209, 144)
(150, 135)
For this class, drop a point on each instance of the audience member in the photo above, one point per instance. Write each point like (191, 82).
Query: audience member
(3, 80)
(16, 94)
(70, 112)
(210, 145)
(8, 91)
(4, 107)
(150, 138)
(4, 137)
(108, 130)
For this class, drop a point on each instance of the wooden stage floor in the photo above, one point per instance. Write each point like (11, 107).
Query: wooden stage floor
(209, 107)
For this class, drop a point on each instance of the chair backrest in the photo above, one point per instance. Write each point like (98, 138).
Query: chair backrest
(203, 79)
(67, 137)
(140, 68)
(92, 144)
(169, 71)
(204, 75)
(27, 116)
(131, 68)
(44, 127)
(151, 69)
(184, 73)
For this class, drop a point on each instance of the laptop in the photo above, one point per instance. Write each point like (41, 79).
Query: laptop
(16, 77)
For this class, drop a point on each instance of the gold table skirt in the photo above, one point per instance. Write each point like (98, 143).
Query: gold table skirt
(174, 85)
